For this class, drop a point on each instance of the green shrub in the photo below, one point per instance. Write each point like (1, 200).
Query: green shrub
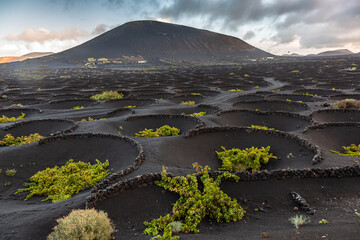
(195, 204)
(10, 172)
(299, 220)
(78, 107)
(198, 114)
(92, 119)
(130, 106)
(61, 183)
(5, 119)
(236, 159)
(163, 131)
(88, 224)
(187, 103)
(10, 140)
(261, 127)
(351, 150)
(107, 95)
(235, 90)
(347, 104)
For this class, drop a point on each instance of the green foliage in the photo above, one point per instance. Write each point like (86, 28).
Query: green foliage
(107, 95)
(187, 103)
(196, 94)
(10, 140)
(236, 159)
(5, 119)
(130, 106)
(163, 131)
(61, 183)
(309, 94)
(351, 150)
(78, 107)
(198, 114)
(176, 226)
(299, 220)
(195, 204)
(231, 74)
(323, 221)
(235, 90)
(261, 127)
(92, 119)
(10, 172)
(295, 71)
(358, 214)
(88, 224)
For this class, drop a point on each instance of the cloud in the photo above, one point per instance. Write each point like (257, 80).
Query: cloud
(311, 23)
(99, 29)
(42, 35)
(248, 35)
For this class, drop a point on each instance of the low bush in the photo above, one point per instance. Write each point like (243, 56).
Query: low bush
(78, 107)
(235, 90)
(198, 114)
(10, 172)
(10, 140)
(88, 224)
(236, 159)
(61, 183)
(352, 150)
(194, 204)
(299, 220)
(5, 119)
(107, 95)
(261, 127)
(163, 131)
(92, 119)
(187, 103)
(347, 104)
(130, 106)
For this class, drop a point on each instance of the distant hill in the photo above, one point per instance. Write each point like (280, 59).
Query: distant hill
(337, 52)
(9, 59)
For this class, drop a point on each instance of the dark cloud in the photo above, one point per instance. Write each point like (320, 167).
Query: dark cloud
(99, 29)
(314, 23)
(248, 35)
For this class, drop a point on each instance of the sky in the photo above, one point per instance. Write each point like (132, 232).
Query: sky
(276, 26)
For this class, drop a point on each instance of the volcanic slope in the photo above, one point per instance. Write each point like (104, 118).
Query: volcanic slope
(146, 40)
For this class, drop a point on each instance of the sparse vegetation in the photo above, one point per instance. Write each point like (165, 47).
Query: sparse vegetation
(10, 140)
(10, 172)
(352, 150)
(295, 71)
(299, 220)
(78, 107)
(195, 204)
(92, 119)
(347, 104)
(59, 184)
(187, 103)
(5, 119)
(235, 90)
(261, 127)
(196, 94)
(163, 131)
(198, 114)
(323, 221)
(130, 106)
(107, 95)
(88, 224)
(236, 159)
